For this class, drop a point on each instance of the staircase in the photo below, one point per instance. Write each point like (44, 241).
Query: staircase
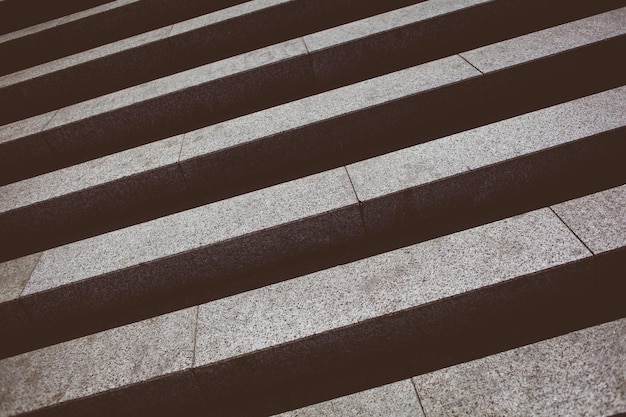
(311, 207)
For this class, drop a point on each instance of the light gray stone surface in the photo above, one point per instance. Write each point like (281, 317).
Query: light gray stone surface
(29, 30)
(384, 22)
(16, 130)
(85, 56)
(579, 374)
(383, 284)
(599, 219)
(224, 14)
(193, 229)
(137, 40)
(548, 42)
(326, 105)
(178, 82)
(97, 363)
(92, 174)
(14, 274)
(64, 19)
(96, 10)
(392, 400)
(489, 144)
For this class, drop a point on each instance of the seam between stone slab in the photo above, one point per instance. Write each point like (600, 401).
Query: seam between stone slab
(360, 203)
(572, 231)
(195, 340)
(477, 69)
(308, 51)
(417, 395)
(30, 274)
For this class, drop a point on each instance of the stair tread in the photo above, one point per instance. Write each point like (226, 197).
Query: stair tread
(345, 295)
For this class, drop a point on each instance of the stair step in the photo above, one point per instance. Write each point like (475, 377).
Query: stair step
(169, 49)
(572, 375)
(168, 261)
(479, 175)
(94, 27)
(253, 25)
(117, 190)
(413, 307)
(249, 208)
(279, 73)
(17, 14)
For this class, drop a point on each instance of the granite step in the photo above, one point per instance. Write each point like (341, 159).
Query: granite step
(393, 316)
(438, 205)
(92, 27)
(17, 14)
(287, 71)
(122, 19)
(431, 189)
(573, 374)
(170, 49)
(425, 29)
(262, 149)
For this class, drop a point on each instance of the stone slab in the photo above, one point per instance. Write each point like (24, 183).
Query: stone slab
(96, 10)
(548, 42)
(381, 285)
(65, 19)
(92, 174)
(402, 279)
(84, 57)
(163, 98)
(180, 81)
(91, 198)
(397, 399)
(204, 226)
(317, 108)
(389, 185)
(14, 275)
(13, 131)
(29, 30)
(17, 149)
(136, 41)
(151, 90)
(223, 15)
(579, 374)
(599, 219)
(98, 363)
(383, 22)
